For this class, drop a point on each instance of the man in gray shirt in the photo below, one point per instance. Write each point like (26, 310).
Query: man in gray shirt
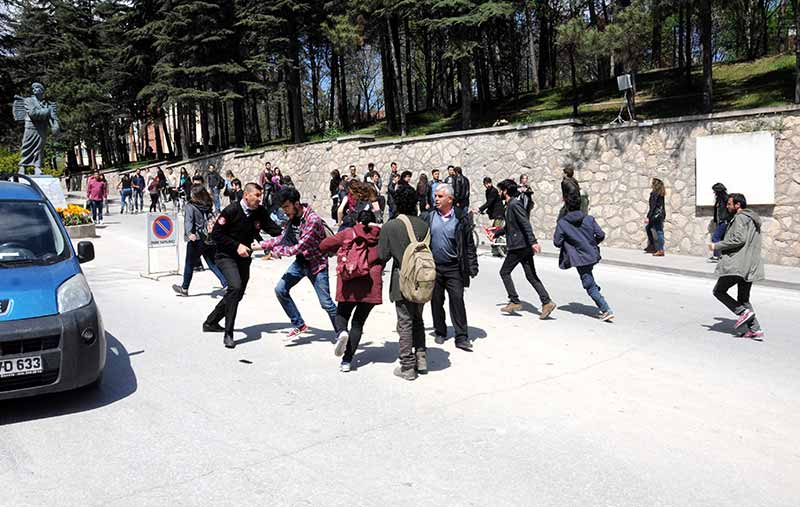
(453, 248)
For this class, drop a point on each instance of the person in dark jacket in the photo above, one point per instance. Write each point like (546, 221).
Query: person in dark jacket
(494, 208)
(569, 187)
(526, 193)
(578, 236)
(654, 222)
(721, 217)
(392, 245)
(453, 248)
(521, 244)
(198, 242)
(461, 188)
(237, 227)
(356, 296)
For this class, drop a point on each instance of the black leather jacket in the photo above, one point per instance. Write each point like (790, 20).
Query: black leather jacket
(465, 244)
(517, 229)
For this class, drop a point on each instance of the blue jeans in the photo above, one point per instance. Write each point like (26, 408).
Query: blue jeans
(194, 251)
(126, 194)
(138, 199)
(718, 234)
(97, 210)
(587, 280)
(296, 272)
(655, 232)
(215, 198)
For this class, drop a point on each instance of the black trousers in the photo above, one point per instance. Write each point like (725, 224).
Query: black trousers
(522, 256)
(344, 310)
(237, 273)
(448, 278)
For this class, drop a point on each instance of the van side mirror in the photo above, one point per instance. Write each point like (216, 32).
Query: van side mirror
(85, 251)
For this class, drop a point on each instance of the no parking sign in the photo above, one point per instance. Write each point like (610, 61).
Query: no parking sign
(162, 233)
(161, 230)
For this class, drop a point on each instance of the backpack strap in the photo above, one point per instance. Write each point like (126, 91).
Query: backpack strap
(409, 230)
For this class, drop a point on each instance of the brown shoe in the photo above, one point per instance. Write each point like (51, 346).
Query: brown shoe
(660, 253)
(511, 308)
(547, 310)
(422, 362)
(405, 373)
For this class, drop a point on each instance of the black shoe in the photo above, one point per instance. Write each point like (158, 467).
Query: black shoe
(212, 328)
(464, 344)
(180, 290)
(228, 341)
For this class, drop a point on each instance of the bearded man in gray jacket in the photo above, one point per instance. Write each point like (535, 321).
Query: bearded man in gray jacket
(740, 264)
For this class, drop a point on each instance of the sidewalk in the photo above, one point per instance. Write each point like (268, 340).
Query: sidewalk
(783, 277)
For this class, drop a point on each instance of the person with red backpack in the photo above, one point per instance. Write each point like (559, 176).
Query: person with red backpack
(359, 282)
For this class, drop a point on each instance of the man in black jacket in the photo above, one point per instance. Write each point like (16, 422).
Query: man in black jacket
(494, 208)
(456, 258)
(460, 189)
(569, 189)
(521, 244)
(236, 229)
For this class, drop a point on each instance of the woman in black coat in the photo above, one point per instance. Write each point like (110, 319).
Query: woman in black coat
(656, 214)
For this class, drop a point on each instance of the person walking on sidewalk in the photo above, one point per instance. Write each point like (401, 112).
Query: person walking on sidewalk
(359, 282)
(394, 241)
(578, 236)
(654, 222)
(198, 240)
(125, 194)
(740, 264)
(215, 185)
(494, 208)
(237, 227)
(720, 217)
(569, 188)
(153, 189)
(138, 184)
(96, 190)
(301, 238)
(456, 258)
(522, 245)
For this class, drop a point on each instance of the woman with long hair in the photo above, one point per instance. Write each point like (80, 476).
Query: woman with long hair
(185, 187)
(356, 295)
(198, 238)
(360, 196)
(163, 187)
(656, 214)
(153, 182)
(422, 193)
(333, 188)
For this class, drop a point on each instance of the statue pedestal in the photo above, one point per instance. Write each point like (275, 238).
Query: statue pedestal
(52, 189)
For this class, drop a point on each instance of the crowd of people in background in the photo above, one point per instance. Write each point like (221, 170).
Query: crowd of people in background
(425, 228)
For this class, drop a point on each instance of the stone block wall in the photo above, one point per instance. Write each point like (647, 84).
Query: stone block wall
(614, 164)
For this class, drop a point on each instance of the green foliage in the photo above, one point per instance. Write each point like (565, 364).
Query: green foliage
(9, 161)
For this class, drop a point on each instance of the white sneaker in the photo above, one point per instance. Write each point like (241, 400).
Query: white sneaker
(341, 345)
(344, 367)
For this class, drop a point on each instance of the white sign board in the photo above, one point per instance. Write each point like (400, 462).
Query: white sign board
(744, 163)
(162, 230)
(52, 189)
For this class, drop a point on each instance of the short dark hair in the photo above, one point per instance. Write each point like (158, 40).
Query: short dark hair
(370, 166)
(509, 186)
(435, 171)
(405, 200)
(458, 169)
(236, 181)
(739, 199)
(450, 167)
(569, 172)
(487, 180)
(405, 174)
(290, 194)
(373, 173)
(250, 187)
(393, 163)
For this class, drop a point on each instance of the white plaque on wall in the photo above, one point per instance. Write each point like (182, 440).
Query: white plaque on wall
(744, 163)
(52, 189)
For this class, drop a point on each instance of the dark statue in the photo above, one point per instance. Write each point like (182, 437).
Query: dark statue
(39, 117)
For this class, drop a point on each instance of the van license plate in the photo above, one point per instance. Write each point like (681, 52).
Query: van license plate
(20, 366)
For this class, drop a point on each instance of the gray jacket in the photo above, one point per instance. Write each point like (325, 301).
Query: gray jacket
(195, 220)
(741, 247)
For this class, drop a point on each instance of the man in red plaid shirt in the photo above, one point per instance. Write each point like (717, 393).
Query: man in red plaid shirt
(301, 237)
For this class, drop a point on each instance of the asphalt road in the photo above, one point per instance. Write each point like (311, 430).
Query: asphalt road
(662, 407)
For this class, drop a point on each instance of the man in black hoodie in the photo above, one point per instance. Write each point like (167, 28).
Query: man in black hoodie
(494, 208)
(521, 244)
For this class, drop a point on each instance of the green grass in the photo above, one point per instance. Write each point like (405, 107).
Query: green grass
(661, 93)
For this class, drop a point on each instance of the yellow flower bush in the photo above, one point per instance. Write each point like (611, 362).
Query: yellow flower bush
(74, 215)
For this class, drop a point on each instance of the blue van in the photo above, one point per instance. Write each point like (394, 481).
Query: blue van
(51, 333)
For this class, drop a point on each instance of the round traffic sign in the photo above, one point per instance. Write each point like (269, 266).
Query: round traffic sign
(163, 227)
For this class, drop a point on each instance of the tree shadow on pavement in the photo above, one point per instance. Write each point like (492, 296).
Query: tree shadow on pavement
(119, 382)
(723, 325)
(438, 359)
(580, 309)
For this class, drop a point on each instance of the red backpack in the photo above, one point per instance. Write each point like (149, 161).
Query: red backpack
(353, 258)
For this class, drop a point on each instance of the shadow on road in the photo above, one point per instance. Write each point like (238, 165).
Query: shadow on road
(475, 333)
(723, 325)
(526, 307)
(580, 309)
(254, 333)
(438, 359)
(119, 382)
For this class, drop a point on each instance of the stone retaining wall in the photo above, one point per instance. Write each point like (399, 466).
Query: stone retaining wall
(615, 165)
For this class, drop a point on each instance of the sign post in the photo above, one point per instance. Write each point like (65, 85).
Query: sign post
(161, 233)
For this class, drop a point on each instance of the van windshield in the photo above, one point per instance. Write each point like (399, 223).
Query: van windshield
(29, 234)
